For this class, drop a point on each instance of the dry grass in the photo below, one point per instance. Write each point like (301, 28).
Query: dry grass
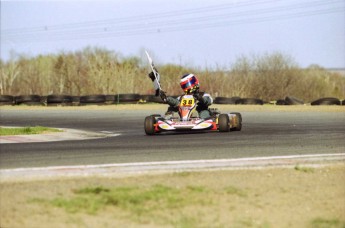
(94, 70)
(275, 197)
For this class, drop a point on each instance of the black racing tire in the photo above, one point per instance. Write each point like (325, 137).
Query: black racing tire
(226, 100)
(343, 102)
(145, 98)
(6, 100)
(28, 100)
(221, 100)
(3, 103)
(223, 123)
(156, 99)
(59, 99)
(33, 103)
(44, 99)
(75, 99)
(238, 122)
(250, 101)
(280, 102)
(92, 99)
(326, 101)
(110, 99)
(149, 123)
(293, 101)
(151, 99)
(129, 98)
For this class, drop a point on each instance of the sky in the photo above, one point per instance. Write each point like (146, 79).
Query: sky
(199, 33)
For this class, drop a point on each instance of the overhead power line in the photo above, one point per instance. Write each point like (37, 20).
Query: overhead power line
(184, 24)
(136, 18)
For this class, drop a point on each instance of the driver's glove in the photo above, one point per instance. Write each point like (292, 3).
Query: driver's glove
(198, 97)
(163, 95)
(151, 75)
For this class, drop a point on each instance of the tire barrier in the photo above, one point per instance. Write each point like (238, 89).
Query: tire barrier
(150, 99)
(54, 100)
(92, 99)
(129, 98)
(75, 100)
(109, 99)
(327, 101)
(226, 100)
(293, 101)
(250, 101)
(280, 102)
(133, 98)
(6, 100)
(28, 100)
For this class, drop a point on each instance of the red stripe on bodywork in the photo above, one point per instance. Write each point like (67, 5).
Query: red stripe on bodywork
(214, 126)
(156, 127)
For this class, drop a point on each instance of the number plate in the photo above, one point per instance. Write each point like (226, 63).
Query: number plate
(187, 101)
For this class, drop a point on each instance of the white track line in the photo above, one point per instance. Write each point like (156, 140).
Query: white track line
(166, 166)
(177, 162)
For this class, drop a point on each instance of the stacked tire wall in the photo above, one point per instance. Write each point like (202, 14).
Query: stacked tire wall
(101, 99)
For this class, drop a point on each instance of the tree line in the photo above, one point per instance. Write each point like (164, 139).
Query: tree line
(99, 71)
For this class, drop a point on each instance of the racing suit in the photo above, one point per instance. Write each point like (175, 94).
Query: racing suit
(204, 101)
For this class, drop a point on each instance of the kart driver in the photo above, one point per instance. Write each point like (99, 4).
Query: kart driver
(190, 85)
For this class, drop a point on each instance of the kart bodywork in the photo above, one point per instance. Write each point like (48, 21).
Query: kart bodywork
(188, 120)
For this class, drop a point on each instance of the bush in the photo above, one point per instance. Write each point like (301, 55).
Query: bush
(99, 71)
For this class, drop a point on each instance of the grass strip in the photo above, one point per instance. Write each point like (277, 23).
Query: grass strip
(26, 130)
(273, 197)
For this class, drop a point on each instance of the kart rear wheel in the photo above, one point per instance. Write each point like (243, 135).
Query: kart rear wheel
(150, 121)
(223, 122)
(237, 121)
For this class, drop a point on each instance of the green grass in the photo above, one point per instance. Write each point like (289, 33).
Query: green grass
(154, 203)
(26, 130)
(142, 204)
(327, 223)
(304, 169)
(136, 200)
(235, 191)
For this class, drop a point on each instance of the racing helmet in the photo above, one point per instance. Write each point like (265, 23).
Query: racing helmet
(189, 83)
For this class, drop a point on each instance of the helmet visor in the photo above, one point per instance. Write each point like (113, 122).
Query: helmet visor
(188, 84)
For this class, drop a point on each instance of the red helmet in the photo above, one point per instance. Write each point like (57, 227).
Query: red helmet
(189, 83)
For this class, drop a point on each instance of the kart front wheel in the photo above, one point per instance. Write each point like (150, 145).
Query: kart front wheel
(236, 121)
(149, 125)
(223, 122)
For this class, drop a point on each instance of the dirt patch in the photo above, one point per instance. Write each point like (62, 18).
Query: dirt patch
(300, 196)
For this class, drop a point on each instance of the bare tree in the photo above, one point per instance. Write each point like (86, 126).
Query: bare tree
(9, 73)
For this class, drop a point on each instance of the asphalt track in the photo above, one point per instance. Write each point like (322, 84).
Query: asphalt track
(268, 133)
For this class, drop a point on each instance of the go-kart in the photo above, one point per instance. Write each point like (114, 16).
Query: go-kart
(188, 119)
